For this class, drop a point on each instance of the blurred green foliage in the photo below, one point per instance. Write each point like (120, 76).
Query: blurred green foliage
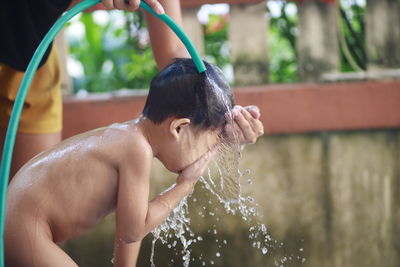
(112, 55)
(216, 40)
(282, 45)
(352, 17)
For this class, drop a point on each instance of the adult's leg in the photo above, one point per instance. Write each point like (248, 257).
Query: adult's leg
(40, 123)
(28, 145)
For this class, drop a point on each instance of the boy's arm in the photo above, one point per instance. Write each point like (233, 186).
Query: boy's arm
(135, 215)
(164, 42)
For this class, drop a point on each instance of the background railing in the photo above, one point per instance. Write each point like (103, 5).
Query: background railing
(319, 37)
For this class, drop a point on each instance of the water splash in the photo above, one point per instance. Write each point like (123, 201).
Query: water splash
(176, 224)
(223, 180)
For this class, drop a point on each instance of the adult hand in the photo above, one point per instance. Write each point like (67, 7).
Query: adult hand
(128, 5)
(245, 124)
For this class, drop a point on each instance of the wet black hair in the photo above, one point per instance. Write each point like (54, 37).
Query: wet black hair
(180, 91)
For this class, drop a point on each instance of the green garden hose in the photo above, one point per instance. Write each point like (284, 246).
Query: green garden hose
(26, 81)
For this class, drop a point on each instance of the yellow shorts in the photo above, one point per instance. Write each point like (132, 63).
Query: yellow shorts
(42, 111)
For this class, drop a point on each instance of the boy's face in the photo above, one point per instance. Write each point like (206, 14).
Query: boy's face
(186, 145)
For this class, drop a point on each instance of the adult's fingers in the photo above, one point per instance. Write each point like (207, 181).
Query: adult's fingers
(156, 6)
(109, 4)
(132, 5)
(119, 4)
(96, 7)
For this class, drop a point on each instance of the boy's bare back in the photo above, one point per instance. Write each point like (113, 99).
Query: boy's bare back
(74, 185)
(64, 191)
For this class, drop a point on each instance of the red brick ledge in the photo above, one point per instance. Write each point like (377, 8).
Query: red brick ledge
(285, 108)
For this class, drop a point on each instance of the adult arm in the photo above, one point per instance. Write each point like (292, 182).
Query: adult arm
(164, 42)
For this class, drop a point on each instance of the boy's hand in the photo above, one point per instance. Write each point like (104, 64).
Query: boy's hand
(191, 174)
(132, 5)
(246, 124)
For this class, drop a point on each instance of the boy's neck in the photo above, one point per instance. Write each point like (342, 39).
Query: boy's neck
(151, 132)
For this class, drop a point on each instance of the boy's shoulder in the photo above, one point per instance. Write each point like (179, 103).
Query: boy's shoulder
(128, 140)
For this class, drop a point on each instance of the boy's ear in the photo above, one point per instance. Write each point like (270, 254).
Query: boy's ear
(177, 125)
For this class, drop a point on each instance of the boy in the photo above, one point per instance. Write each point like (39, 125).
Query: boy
(64, 191)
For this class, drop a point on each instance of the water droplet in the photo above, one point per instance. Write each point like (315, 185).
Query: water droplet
(217, 254)
(264, 250)
(246, 172)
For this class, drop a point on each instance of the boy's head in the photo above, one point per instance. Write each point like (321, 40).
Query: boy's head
(192, 106)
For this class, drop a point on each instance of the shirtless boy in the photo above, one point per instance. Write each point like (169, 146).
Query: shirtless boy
(64, 191)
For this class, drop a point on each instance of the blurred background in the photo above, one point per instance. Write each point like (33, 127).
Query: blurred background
(326, 76)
